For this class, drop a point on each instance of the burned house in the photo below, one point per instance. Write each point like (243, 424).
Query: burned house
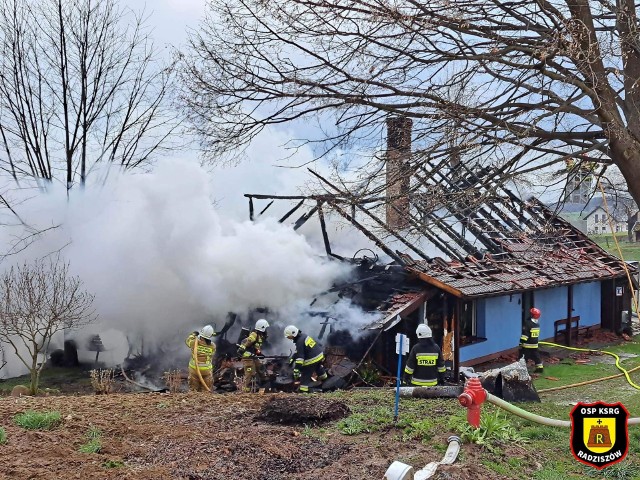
(466, 255)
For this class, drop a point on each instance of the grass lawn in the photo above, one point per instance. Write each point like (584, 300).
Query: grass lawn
(513, 448)
(630, 251)
(50, 378)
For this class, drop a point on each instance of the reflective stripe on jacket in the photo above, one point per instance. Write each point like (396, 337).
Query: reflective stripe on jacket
(530, 334)
(252, 343)
(205, 353)
(424, 363)
(308, 351)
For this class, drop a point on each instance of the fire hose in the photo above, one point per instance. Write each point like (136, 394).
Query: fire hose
(620, 367)
(195, 361)
(475, 395)
(401, 471)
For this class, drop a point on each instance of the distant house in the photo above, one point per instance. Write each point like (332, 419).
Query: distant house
(592, 218)
(467, 256)
(584, 207)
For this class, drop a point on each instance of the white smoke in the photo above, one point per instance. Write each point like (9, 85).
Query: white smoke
(162, 262)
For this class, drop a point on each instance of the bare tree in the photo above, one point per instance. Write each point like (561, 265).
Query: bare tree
(79, 86)
(37, 301)
(543, 81)
(3, 358)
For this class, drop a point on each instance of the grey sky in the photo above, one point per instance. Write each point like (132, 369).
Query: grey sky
(170, 19)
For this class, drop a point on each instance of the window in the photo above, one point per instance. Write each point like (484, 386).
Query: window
(469, 327)
(618, 229)
(595, 229)
(470, 331)
(596, 218)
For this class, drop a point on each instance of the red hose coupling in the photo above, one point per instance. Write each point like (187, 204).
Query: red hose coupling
(473, 397)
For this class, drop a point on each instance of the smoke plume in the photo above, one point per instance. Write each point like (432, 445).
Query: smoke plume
(162, 261)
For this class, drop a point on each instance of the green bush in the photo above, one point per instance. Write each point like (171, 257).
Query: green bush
(32, 420)
(3, 436)
(420, 429)
(94, 445)
(113, 464)
(495, 429)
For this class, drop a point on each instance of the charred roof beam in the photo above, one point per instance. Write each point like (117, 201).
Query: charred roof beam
(375, 218)
(456, 211)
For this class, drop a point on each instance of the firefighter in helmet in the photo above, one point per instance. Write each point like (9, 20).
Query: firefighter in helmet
(425, 365)
(307, 359)
(529, 339)
(202, 360)
(250, 352)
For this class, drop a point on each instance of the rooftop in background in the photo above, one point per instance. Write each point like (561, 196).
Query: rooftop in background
(620, 208)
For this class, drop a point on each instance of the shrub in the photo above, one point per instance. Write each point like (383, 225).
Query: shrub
(102, 380)
(495, 429)
(370, 374)
(113, 464)
(3, 436)
(32, 420)
(173, 380)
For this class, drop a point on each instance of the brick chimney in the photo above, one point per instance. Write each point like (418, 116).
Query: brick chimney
(398, 171)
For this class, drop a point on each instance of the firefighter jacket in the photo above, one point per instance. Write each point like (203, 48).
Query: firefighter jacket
(205, 351)
(252, 345)
(308, 351)
(530, 333)
(425, 363)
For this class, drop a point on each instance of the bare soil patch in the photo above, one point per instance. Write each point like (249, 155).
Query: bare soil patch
(301, 410)
(198, 436)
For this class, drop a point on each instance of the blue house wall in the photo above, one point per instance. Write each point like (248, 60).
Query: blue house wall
(587, 302)
(553, 306)
(499, 319)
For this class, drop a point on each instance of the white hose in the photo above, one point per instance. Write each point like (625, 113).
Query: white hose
(402, 471)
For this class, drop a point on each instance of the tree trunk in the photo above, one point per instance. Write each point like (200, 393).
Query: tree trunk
(35, 374)
(626, 155)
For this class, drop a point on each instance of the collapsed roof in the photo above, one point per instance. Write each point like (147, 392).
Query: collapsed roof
(490, 242)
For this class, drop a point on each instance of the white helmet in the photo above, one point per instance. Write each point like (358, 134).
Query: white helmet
(291, 331)
(207, 332)
(261, 325)
(423, 331)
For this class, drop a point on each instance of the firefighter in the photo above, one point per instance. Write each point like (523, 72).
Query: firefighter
(425, 365)
(250, 351)
(204, 353)
(529, 340)
(307, 359)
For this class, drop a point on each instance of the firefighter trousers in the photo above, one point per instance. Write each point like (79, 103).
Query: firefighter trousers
(194, 381)
(307, 372)
(532, 354)
(255, 375)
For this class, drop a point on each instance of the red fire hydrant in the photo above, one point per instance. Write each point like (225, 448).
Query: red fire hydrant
(473, 397)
